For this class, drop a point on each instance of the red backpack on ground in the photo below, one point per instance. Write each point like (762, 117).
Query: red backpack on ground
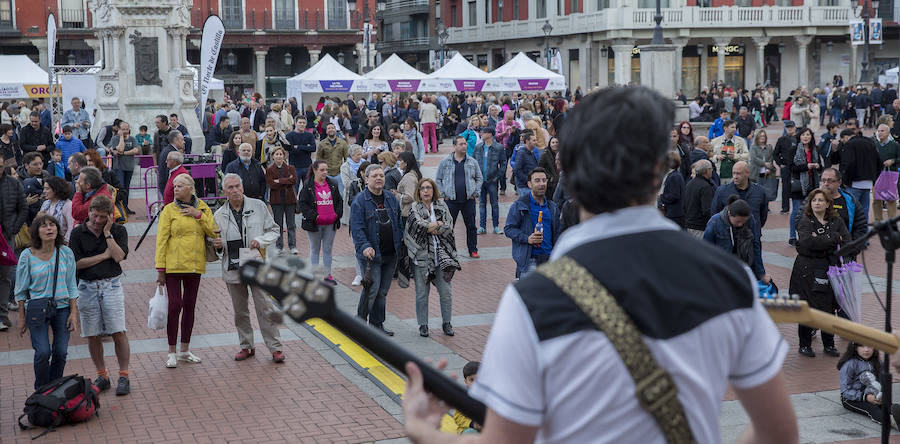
(66, 400)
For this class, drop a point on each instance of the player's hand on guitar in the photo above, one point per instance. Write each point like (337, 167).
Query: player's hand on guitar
(421, 409)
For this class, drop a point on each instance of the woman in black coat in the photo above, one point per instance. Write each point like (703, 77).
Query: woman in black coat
(806, 167)
(820, 232)
(322, 207)
(672, 197)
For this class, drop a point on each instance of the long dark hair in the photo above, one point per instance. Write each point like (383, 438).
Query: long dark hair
(311, 174)
(411, 164)
(851, 353)
(812, 138)
(34, 231)
(830, 213)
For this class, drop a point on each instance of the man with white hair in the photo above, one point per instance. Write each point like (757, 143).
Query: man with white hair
(698, 196)
(175, 164)
(250, 171)
(246, 224)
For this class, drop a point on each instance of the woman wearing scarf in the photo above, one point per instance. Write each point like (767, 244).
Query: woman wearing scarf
(432, 248)
(806, 168)
(281, 177)
(184, 226)
(58, 203)
(412, 134)
(684, 146)
(273, 139)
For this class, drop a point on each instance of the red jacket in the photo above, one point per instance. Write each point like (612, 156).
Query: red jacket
(169, 193)
(80, 205)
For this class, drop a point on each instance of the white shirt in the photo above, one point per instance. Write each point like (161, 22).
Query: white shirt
(576, 388)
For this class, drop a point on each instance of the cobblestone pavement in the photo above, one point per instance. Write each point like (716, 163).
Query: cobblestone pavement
(318, 395)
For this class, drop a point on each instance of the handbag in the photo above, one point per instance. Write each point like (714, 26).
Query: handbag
(43, 309)
(7, 255)
(211, 255)
(654, 387)
(886, 186)
(23, 238)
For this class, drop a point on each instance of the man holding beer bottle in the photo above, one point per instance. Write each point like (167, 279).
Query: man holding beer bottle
(532, 224)
(729, 149)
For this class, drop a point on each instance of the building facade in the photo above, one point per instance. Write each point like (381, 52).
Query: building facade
(408, 28)
(266, 41)
(785, 43)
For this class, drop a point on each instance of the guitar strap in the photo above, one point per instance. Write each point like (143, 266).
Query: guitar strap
(654, 387)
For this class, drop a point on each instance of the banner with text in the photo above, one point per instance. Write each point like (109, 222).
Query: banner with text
(875, 31)
(210, 44)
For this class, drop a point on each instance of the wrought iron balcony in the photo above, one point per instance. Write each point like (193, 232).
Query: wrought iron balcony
(414, 44)
(72, 18)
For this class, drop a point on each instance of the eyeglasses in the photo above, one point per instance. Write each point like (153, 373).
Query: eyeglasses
(828, 180)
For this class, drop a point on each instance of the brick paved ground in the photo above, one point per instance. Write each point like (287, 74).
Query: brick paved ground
(307, 399)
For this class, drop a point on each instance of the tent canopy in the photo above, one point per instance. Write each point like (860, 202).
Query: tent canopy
(523, 74)
(395, 75)
(459, 75)
(326, 76)
(21, 78)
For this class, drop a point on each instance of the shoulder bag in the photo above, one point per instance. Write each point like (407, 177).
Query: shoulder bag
(42, 309)
(654, 387)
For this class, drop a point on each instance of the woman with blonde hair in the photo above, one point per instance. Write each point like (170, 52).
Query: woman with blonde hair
(542, 136)
(392, 175)
(184, 226)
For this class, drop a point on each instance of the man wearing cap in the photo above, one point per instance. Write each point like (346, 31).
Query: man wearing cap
(783, 149)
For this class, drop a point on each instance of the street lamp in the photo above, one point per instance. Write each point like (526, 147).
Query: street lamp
(657, 30)
(230, 59)
(442, 35)
(288, 58)
(340, 58)
(864, 75)
(547, 28)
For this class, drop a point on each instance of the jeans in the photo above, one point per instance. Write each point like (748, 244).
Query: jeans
(181, 304)
(7, 275)
(488, 191)
(423, 287)
(337, 178)
(373, 302)
(284, 217)
(861, 116)
(796, 204)
(862, 196)
(785, 191)
(429, 137)
(323, 238)
(505, 168)
(468, 211)
(49, 360)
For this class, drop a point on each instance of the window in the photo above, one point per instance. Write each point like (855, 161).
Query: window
(453, 22)
(473, 14)
(541, 9)
(742, 3)
(652, 4)
(704, 3)
(602, 4)
(515, 9)
(575, 7)
(337, 14)
(784, 3)
(560, 4)
(829, 2)
(232, 14)
(284, 14)
(437, 11)
(487, 11)
(499, 10)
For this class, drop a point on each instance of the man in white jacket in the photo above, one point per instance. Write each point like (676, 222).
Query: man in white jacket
(247, 226)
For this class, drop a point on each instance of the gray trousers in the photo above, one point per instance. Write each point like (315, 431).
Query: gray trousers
(422, 290)
(264, 311)
(6, 275)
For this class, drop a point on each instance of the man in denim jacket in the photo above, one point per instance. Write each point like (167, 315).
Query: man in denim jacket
(459, 180)
(491, 158)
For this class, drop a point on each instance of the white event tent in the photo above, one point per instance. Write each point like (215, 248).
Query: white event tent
(326, 76)
(459, 75)
(21, 78)
(395, 75)
(523, 74)
(890, 76)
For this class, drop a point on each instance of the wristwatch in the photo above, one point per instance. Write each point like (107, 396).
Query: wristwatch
(109, 236)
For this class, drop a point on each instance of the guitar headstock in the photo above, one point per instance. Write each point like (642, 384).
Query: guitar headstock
(291, 283)
(787, 309)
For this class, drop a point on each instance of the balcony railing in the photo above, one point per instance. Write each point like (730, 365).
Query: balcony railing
(642, 19)
(410, 44)
(406, 4)
(233, 21)
(72, 18)
(284, 19)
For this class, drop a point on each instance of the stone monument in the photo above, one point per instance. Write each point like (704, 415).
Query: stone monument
(144, 71)
(659, 67)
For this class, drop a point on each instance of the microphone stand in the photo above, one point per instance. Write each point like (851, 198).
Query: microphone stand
(890, 240)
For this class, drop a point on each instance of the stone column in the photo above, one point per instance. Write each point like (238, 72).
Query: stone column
(622, 49)
(704, 72)
(721, 42)
(115, 35)
(97, 46)
(802, 59)
(43, 59)
(680, 43)
(854, 67)
(760, 43)
(314, 56)
(261, 71)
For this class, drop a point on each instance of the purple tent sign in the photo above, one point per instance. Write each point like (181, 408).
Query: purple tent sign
(404, 85)
(533, 84)
(336, 85)
(469, 85)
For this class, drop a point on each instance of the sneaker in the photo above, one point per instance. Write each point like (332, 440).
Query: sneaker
(124, 386)
(481, 230)
(503, 192)
(294, 251)
(497, 230)
(3, 326)
(330, 280)
(423, 331)
(792, 242)
(244, 354)
(356, 281)
(832, 351)
(102, 383)
(448, 329)
(475, 255)
(189, 357)
(172, 361)
(808, 352)
(13, 306)
(278, 357)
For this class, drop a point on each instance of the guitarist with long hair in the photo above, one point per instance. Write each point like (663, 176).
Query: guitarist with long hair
(612, 341)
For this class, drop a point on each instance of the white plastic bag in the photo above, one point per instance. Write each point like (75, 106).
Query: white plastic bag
(159, 310)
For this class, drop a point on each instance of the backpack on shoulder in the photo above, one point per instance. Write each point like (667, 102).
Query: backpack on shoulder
(67, 400)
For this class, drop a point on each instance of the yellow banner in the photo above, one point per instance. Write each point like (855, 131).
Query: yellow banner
(38, 91)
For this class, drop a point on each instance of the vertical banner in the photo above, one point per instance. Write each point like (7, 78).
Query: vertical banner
(875, 31)
(51, 40)
(857, 32)
(210, 44)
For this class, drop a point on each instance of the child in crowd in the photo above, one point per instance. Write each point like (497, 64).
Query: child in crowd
(860, 391)
(144, 140)
(55, 166)
(464, 425)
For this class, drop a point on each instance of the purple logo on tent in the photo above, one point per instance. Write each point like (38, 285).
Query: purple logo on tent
(533, 84)
(469, 85)
(336, 85)
(404, 85)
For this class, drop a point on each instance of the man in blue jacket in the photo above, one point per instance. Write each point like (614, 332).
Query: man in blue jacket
(491, 158)
(532, 243)
(524, 160)
(377, 233)
(717, 128)
(748, 191)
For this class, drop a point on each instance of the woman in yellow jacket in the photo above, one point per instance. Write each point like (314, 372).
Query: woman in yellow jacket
(184, 226)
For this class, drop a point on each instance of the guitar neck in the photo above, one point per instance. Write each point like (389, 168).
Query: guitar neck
(435, 382)
(861, 334)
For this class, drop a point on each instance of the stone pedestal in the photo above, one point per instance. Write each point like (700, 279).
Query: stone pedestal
(144, 74)
(658, 68)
